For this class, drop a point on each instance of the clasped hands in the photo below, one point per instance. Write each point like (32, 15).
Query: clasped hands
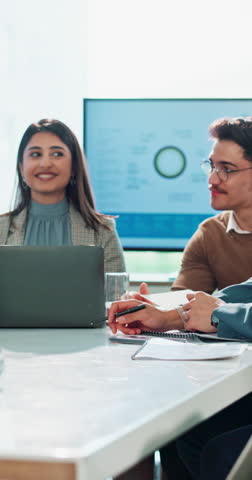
(193, 315)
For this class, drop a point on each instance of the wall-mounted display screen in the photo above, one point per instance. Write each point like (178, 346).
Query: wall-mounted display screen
(144, 159)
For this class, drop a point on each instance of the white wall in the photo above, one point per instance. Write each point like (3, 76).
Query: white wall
(55, 52)
(167, 48)
(43, 72)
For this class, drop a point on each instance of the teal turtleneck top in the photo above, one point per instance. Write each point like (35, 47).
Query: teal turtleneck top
(48, 224)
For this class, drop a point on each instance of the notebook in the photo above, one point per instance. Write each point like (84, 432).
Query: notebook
(176, 335)
(52, 287)
(161, 349)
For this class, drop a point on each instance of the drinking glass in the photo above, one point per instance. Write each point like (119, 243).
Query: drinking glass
(116, 287)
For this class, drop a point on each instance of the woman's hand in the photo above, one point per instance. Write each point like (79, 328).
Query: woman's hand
(150, 318)
(199, 310)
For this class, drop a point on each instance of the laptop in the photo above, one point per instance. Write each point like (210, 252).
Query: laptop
(52, 287)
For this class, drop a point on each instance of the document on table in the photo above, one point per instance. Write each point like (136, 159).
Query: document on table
(164, 349)
(169, 300)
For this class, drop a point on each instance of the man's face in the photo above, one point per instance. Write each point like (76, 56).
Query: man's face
(235, 193)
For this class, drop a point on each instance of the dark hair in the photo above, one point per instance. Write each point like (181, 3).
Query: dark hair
(78, 191)
(238, 130)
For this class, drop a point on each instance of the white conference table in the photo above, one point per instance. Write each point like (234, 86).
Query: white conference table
(71, 397)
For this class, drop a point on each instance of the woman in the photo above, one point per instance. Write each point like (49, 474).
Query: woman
(54, 202)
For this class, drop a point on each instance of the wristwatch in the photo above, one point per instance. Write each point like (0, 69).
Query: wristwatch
(214, 321)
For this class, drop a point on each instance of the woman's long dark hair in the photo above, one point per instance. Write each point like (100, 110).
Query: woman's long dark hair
(78, 191)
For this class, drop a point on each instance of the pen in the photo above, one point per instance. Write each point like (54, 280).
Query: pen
(124, 312)
(130, 310)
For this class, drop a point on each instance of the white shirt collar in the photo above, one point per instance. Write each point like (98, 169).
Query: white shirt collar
(233, 225)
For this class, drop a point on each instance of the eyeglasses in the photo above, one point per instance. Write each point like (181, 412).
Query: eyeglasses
(222, 171)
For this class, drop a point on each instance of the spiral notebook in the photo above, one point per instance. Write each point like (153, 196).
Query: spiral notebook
(184, 337)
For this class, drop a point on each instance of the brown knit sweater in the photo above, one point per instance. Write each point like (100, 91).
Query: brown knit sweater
(214, 258)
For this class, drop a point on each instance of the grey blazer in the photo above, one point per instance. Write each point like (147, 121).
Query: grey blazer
(13, 234)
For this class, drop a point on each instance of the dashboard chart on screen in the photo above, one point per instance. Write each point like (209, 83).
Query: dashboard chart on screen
(144, 159)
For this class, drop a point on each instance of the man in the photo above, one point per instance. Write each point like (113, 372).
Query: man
(219, 253)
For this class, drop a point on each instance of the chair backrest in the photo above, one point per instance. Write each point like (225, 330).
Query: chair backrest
(242, 469)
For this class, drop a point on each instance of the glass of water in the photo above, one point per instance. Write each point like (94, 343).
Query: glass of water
(116, 287)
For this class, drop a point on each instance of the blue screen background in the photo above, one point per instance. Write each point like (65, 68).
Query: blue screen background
(122, 137)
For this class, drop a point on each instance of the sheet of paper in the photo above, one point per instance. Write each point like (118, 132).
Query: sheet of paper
(169, 300)
(164, 349)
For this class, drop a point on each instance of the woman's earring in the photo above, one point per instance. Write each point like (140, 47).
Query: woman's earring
(72, 181)
(24, 184)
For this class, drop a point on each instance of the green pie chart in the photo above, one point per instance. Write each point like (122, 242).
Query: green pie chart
(170, 162)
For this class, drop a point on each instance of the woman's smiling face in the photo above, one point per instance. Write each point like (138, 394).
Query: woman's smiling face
(46, 167)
